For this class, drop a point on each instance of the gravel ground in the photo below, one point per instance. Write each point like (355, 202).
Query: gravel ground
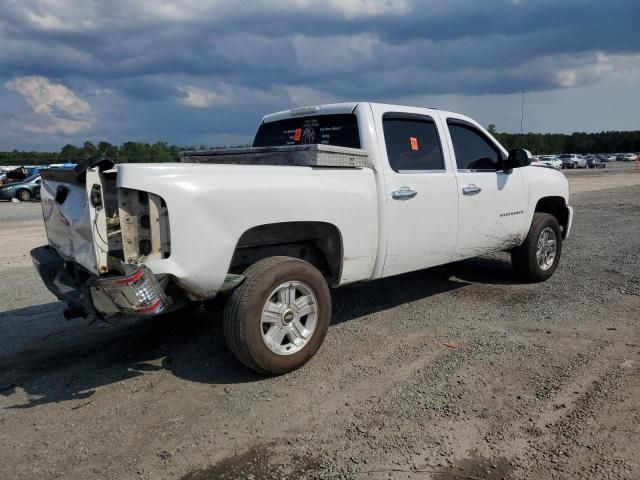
(455, 372)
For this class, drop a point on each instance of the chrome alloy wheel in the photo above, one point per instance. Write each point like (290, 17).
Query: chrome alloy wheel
(546, 248)
(289, 318)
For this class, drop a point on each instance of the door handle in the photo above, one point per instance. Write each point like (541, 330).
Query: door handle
(405, 193)
(471, 190)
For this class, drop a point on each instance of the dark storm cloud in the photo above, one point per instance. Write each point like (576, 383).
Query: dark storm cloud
(450, 35)
(191, 55)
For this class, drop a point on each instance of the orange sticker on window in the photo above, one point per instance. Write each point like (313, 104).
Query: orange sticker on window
(414, 143)
(297, 135)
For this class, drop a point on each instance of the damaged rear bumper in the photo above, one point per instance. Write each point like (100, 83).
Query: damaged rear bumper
(137, 294)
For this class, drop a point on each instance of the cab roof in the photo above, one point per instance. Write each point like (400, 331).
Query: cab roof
(345, 107)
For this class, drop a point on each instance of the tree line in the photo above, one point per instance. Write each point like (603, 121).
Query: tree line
(577, 142)
(128, 152)
(137, 152)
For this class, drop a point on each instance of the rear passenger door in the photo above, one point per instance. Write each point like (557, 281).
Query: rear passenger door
(491, 202)
(421, 205)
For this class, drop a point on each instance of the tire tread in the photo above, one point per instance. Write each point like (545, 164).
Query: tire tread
(239, 302)
(234, 330)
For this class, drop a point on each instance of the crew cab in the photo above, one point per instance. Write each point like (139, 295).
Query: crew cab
(329, 195)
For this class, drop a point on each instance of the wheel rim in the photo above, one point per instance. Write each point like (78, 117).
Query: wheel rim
(289, 318)
(546, 248)
(24, 196)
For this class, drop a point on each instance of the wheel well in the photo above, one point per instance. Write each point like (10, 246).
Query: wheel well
(557, 207)
(318, 243)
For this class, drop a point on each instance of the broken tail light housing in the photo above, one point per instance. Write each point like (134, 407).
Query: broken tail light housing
(138, 293)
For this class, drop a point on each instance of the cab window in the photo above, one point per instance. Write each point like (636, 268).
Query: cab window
(412, 144)
(473, 149)
(337, 129)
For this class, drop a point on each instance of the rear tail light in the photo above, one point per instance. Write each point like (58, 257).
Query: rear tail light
(138, 293)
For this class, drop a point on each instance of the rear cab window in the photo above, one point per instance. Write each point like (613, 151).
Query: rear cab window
(412, 143)
(338, 129)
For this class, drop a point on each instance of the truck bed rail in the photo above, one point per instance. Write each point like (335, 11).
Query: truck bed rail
(290, 155)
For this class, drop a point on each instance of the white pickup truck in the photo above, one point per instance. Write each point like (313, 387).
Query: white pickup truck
(330, 195)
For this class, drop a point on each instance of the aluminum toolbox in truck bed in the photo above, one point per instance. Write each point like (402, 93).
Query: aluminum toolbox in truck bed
(291, 155)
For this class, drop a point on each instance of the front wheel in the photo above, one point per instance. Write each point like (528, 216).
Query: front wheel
(276, 320)
(537, 258)
(23, 195)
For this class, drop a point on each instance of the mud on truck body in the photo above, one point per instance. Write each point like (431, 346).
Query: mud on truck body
(328, 195)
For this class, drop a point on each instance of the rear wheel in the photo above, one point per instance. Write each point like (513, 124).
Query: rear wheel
(537, 258)
(23, 195)
(276, 320)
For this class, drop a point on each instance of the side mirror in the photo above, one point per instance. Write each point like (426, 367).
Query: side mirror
(518, 157)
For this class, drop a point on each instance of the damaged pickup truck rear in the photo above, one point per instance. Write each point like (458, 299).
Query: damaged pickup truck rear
(328, 195)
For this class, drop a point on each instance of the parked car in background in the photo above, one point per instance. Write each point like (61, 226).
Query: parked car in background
(23, 190)
(16, 174)
(538, 163)
(626, 157)
(594, 162)
(571, 160)
(551, 161)
(607, 157)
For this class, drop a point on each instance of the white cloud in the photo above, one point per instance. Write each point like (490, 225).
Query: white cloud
(57, 109)
(87, 16)
(353, 8)
(223, 94)
(598, 67)
(337, 53)
(302, 96)
(57, 15)
(195, 97)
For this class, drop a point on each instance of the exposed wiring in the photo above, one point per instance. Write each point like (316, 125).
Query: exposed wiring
(97, 232)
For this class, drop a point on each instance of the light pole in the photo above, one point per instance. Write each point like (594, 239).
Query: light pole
(522, 114)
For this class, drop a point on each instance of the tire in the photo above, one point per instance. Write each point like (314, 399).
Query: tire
(525, 258)
(247, 327)
(23, 195)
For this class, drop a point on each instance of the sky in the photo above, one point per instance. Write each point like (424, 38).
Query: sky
(198, 72)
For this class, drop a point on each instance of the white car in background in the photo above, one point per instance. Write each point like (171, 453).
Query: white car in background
(571, 160)
(551, 161)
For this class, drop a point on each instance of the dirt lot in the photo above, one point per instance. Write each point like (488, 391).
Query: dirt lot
(455, 372)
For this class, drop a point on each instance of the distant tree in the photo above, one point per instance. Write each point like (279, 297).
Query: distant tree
(69, 153)
(88, 150)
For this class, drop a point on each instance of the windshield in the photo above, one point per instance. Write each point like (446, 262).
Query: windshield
(340, 130)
